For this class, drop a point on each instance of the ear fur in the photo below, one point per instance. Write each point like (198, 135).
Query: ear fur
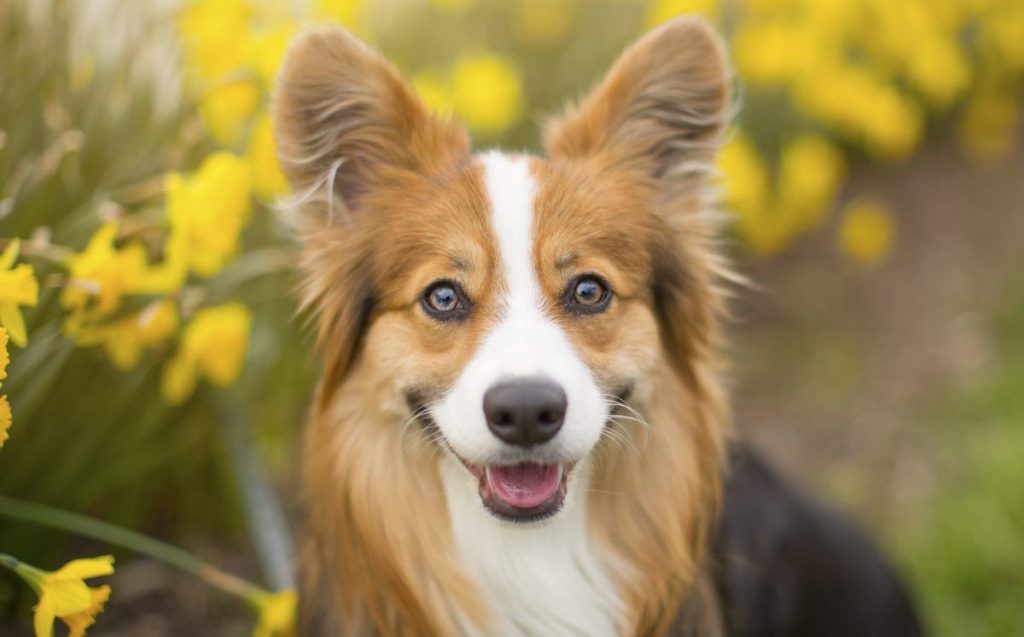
(348, 129)
(345, 119)
(662, 108)
(660, 114)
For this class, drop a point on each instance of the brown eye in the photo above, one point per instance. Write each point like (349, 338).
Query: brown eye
(588, 293)
(444, 300)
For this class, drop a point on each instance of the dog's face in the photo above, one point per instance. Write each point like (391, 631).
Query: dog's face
(510, 306)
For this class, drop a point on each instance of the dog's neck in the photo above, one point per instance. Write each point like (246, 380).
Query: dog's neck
(389, 558)
(549, 578)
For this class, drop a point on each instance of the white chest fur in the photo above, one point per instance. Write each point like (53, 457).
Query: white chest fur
(539, 580)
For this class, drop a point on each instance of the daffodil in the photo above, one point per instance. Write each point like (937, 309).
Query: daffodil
(213, 346)
(269, 47)
(18, 287)
(63, 594)
(744, 174)
(5, 357)
(226, 108)
(810, 173)
(5, 420)
(347, 12)
(124, 339)
(215, 34)
(867, 232)
(268, 180)
(5, 407)
(208, 211)
(487, 93)
(988, 126)
(103, 273)
(276, 614)
(434, 90)
(662, 10)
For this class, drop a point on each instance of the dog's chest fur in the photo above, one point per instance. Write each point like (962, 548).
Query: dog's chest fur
(548, 579)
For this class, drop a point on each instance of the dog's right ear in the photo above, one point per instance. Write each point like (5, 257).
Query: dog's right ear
(346, 123)
(349, 131)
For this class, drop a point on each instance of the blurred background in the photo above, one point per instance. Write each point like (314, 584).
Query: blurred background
(874, 181)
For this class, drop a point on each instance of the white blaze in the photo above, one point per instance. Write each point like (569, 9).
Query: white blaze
(545, 578)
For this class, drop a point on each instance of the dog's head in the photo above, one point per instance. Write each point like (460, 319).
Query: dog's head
(514, 308)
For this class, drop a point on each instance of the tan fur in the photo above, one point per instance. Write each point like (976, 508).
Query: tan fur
(379, 551)
(626, 174)
(390, 200)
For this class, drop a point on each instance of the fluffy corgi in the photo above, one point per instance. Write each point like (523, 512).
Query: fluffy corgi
(520, 427)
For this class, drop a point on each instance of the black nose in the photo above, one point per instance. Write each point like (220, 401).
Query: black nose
(525, 412)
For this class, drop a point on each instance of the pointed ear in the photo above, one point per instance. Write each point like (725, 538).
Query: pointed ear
(346, 122)
(662, 108)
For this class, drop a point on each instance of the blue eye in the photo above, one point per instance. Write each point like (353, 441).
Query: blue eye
(444, 300)
(588, 294)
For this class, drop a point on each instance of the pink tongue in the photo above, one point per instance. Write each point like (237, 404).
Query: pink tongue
(524, 485)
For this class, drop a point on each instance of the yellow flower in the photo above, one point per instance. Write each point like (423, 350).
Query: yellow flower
(774, 52)
(487, 93)
(277, 615)
(213, 346)
(810, 174)
(157, 322)
(857, 102)
(18, 286)
(434, 91)
(663, 10)
(208, 211)
(938, 69)
(988, 126)
(5, 420)
(268, 51)
(744, 175)
(1000, 33)
(867, 232)
(5, 357)
(346, 12)
(268, 180)
(215, 34)
(124, 339)
(227, 107)
(63, 594)
(102, 274)
(5, 407)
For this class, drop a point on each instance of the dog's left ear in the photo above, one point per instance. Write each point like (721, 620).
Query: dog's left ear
(661, 109)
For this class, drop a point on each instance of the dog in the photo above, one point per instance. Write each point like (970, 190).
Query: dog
(520, 427)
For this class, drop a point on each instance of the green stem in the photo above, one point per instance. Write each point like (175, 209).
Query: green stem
(28, 573)
(9, 561)
(105, 532)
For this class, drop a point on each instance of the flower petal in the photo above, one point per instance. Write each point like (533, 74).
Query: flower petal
(10, 254)
(65, 596)
(43, 620)
(178, 380)
(79, 622)
(10, 318)
(5, 357)
(5, 419)
(86, 568)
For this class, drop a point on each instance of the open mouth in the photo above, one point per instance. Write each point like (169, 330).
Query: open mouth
(524, 492)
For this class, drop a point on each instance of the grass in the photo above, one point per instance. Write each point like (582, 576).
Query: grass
(965, 549)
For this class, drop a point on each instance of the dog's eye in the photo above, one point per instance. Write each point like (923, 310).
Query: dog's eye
(588, 293)
(444, 300)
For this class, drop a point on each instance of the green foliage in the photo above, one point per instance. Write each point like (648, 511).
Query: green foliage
(965, 549)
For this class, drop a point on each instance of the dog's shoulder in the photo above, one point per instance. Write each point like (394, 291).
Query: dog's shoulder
(787, 565)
